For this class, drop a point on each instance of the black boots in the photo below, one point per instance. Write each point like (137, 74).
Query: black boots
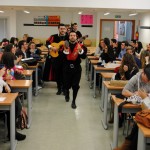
(58, 92)
(67, 98)
(73, 105)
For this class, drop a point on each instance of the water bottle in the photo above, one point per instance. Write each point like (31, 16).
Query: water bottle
(103, 62)
(100, 60)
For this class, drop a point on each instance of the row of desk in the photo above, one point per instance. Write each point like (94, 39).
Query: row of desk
(9, 102)
(106, 75)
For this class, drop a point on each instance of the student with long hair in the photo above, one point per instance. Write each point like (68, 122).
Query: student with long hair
(128, 68)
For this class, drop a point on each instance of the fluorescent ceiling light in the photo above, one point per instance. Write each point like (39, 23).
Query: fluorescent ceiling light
(134, 14)
(27, 12)
(80, 12)
(1, 11)
(106, 13)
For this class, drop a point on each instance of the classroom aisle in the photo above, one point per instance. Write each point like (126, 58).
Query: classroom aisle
(56, 126)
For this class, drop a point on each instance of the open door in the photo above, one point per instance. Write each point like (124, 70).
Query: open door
(121, 30)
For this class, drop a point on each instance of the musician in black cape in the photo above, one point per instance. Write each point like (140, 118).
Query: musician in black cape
(53, 65)
(71, 66)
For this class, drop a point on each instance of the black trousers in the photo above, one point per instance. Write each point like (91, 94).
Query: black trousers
(57, 66)
(72, 76)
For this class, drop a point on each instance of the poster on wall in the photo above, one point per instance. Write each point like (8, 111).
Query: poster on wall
(47, 20)
(122, 28)
(86, 20)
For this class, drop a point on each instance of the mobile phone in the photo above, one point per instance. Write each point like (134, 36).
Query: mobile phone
(1, 66)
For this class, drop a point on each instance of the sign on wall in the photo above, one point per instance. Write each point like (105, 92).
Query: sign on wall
(47, 20)
(86, 20)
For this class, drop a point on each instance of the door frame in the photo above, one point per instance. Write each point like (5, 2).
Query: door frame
(133, 25)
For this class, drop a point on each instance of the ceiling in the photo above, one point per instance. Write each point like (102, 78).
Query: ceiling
(65, 9)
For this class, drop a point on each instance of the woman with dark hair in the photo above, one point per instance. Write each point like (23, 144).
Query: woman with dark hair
(128, 68)
(14, 41)
(138, 47)
(107, 55)
(12, 48)
(100, 48)
(8, 61)
(145, 58)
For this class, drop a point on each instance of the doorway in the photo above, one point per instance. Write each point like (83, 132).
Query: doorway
(3, 28)
(121, 30)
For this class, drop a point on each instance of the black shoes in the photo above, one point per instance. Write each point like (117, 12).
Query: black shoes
(67, 98)
(58, 92)
(73, 105)
(20, 137)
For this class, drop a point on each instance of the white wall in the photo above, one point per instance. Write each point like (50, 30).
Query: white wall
(144, 34)
(43, 32)
(11, 22)
(17, 19)
(128, 4)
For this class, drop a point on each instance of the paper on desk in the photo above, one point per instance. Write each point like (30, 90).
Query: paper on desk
(2, 99)
(111, 65)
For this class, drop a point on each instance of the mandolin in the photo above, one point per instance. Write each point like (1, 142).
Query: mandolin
(57, 46)
(81, 39)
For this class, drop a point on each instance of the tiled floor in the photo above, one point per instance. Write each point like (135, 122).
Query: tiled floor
(56, 126)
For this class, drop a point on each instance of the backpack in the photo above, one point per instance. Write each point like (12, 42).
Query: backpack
(22, 119)
(143, 117)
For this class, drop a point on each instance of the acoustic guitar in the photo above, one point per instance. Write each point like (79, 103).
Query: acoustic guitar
(62, 43)
(57, 46)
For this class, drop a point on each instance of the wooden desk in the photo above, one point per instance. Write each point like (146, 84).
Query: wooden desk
(108, 89)
(106, 76)
(9, 104)
(91, 49)
(127, 108)
(99, 70)
(23, 86)
(35, 68)
(87, 63)
(93, 62)
(28, 74)
(143, 137)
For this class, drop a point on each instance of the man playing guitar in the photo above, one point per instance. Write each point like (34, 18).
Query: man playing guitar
(56, 62)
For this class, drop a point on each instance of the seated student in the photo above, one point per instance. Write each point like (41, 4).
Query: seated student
(25, 37)
(114, 47)
(32, 50)
(18, 107)
(14, 41)
(35, 53)
(107, 55)
(136, 85)
(8, 61)
(22, 49)
(124, 45)
(144, 58)
(128, 68)
(131, 51)
(12, 48)
(138, 48)
(100, 48)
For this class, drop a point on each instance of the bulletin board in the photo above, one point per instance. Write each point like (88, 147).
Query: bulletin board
(86, 20)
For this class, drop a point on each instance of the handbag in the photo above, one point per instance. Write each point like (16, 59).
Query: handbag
(143, 117)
